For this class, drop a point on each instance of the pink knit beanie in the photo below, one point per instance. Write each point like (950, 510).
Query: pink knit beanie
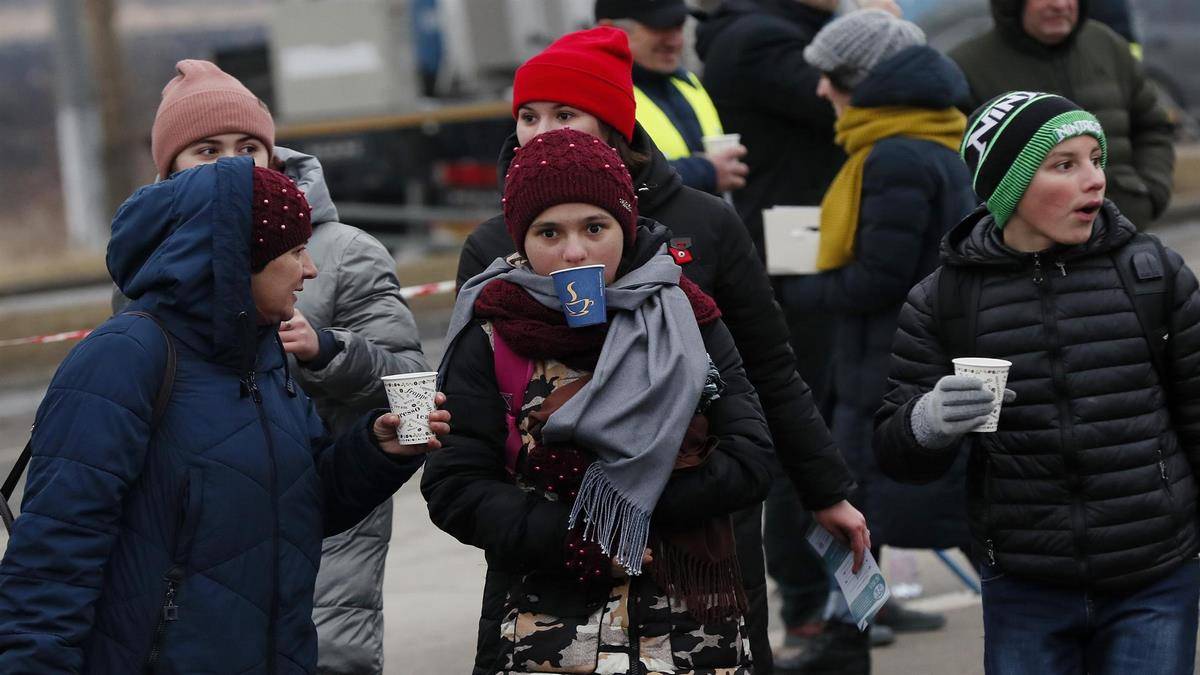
(201, 101)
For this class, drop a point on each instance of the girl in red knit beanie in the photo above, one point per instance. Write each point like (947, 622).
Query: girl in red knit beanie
(601, 481)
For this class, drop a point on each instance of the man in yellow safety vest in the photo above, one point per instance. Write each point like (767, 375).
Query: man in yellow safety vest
(672, 106)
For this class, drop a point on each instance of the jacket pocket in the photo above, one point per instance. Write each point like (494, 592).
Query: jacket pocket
(989, 496)
(191, 504)
(553, 625)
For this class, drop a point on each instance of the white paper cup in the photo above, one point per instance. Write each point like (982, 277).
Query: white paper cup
(411, 397)
(722, 142)
(994, 373)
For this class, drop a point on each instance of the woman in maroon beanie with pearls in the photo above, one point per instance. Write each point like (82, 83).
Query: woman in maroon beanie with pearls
(180, 483)
(603, 503)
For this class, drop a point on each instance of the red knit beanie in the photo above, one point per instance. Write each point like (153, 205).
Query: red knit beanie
(590, 69)
(562, 167)
(281, 217)
(201, 101)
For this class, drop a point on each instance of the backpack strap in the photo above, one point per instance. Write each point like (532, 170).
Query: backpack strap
(956, 309)
(1142, 266)
(513, 373)
(161, 399)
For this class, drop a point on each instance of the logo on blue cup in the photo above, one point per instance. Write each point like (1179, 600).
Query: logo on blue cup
(581, 292)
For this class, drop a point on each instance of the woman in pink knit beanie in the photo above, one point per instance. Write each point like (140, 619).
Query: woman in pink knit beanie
(207, 113)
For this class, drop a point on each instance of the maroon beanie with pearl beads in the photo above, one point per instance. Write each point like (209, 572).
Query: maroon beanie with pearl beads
(565, 166)
(280, 217)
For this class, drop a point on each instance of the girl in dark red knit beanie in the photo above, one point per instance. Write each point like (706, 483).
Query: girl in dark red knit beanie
(611, 468)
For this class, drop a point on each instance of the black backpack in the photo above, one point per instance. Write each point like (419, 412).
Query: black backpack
(1145, 275)
(160, 405)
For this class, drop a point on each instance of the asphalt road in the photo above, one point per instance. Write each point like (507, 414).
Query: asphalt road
(434, 584)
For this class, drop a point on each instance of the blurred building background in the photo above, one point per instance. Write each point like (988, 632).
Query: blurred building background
(404, 101)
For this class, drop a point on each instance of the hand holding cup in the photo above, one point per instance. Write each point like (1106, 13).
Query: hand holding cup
(388, 429)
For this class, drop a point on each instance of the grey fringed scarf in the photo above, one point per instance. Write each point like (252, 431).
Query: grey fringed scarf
(635, 410)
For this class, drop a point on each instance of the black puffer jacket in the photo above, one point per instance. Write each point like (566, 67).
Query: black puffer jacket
(756, 75)
(725, 266)
(1089, 480)
(1095, 69)
(523, 534)
(913, 192)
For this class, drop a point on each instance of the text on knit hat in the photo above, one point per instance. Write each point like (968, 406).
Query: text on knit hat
(1008, 138)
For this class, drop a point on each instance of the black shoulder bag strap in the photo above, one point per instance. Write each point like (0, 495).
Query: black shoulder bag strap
(1145, 275)
(956, 309)
(160, 406)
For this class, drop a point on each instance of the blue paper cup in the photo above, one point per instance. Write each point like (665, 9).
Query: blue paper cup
(581, 291)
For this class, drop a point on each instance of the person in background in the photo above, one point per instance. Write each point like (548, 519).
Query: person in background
(1083, 502)
(902, 188)
(714, 250)
(672, 105)
(607, 526)
(754, 69)
(189, 542)
(1051, 45)
(350, 328)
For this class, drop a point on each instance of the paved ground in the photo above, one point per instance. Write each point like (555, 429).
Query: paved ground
(434, 583)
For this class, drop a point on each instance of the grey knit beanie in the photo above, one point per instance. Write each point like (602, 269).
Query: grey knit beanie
(851, 45)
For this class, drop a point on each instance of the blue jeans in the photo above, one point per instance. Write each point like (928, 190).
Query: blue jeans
(1030, 628)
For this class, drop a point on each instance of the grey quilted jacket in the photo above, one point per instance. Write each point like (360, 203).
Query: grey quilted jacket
(356, 296)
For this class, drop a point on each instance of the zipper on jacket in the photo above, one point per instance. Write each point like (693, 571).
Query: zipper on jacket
(1062, 267)
(991, 551)
(250, 385)
(1066, 431)
(1038, 277)
(170, 613)
(635, 638)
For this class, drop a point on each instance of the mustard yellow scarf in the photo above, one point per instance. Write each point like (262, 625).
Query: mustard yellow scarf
(857, 131)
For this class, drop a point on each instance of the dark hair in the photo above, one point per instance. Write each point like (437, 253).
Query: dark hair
(839, 79)
(635, 161)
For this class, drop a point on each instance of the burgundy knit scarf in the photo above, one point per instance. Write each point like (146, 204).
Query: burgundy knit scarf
(697, 564)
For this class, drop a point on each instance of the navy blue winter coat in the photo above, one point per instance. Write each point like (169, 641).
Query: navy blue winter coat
(230, 494)
(913, 192)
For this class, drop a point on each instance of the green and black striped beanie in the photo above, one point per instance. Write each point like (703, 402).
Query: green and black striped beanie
(1008, 137)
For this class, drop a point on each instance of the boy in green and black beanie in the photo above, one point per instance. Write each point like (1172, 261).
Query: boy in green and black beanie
(1083, 503)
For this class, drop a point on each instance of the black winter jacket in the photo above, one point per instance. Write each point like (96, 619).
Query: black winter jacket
(1095, 69)
(725, 266)
(756, 75)
(1089, 480)
(472, 497)
(914, 191)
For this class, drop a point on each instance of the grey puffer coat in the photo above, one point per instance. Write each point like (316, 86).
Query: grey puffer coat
(1090, 480)
(356, 297)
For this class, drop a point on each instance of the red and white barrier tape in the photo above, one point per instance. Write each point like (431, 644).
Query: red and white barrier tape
(408, 292)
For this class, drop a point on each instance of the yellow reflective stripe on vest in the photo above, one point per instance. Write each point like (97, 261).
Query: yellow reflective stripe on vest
(658, 125)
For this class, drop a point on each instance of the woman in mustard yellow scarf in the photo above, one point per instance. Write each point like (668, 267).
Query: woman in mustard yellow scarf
(902, 186)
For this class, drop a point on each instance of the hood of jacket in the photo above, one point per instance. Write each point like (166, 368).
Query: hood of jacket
(918, 76)
(975, 242)
(180, 250)
(655, 182)
(310, 178)
(1007, 17)
(731, 10)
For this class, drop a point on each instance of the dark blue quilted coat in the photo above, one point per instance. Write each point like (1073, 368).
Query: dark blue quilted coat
(225, 501)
